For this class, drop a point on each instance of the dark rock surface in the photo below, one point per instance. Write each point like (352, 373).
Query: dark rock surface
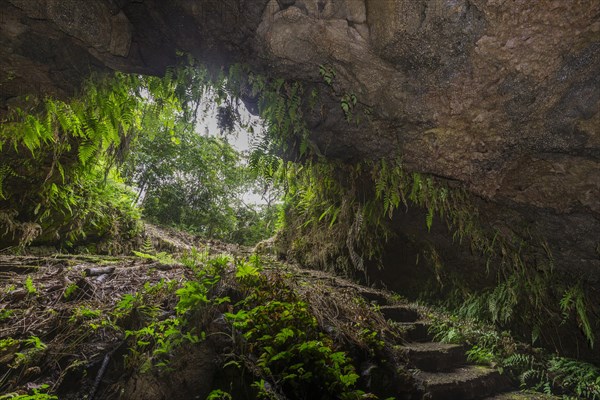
(502, 97)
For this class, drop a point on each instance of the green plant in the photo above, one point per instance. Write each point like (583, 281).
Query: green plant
(30, 286)
(6, 314)
(160, 338)
(219, 394)
(195, 259)
(162, 257)
(8, 343)
(10, 288)
(36, 394)
(480, 355)
(126, 303)
(34, 349)
(35, 343)
(248, 270)
(533, 368)
(69, 290)
(348, 102)
(147, 246)
(194, 183)
(327, 73)
(289, 351)
(326, 224)
(574, 299)
(155, 340)
(82, 312)
(582, 379)
(331, 221)
(191, 295)
(61, 161)
(217, 264)
(552, 374)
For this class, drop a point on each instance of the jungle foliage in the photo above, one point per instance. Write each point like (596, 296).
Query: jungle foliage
(196, 183)
(67, 168)
(58, 182)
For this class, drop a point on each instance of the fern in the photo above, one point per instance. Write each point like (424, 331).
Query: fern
(581, 378)
(246, 270)
(87, 151)
(147, 246)
(519, 360)
(5, 172)
(94, 126)
(416, 193)
(480, 355)
(429, 218)
(574, 299)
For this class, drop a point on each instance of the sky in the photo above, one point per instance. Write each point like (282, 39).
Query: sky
(240, 138)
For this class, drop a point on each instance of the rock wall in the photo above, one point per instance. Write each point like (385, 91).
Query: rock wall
(502, 97)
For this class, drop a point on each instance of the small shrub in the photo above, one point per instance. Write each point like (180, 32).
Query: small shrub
(30, 286)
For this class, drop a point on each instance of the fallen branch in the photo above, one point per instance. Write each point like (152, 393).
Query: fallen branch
(102, 371)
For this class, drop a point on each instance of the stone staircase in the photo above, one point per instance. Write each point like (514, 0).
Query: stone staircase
(441, 369)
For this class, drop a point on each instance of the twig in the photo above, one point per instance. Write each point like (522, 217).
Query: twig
(101, 371)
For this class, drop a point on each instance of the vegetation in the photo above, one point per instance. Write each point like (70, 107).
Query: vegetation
(86, 171)
(196, 183)
(65, 165)
(57, 181)
(271, 326)
(337, 217)
(531, 367)
(37, 394)
(288, 348)
(286, 332)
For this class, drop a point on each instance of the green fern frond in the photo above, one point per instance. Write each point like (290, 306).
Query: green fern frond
(86, 151)
(429, 218)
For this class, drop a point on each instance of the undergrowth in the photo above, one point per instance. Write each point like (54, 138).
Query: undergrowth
(283, 344)
(279, 337)
(337, 217)
(58, 182)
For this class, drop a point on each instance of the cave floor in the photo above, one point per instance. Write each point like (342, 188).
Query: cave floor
(60, 332)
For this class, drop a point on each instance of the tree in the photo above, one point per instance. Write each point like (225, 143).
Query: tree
(195, 182)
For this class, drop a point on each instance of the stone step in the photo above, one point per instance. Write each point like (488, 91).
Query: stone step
(465, 383)
(374, 297)
(434, 356)
(400, 313)
(417, 331)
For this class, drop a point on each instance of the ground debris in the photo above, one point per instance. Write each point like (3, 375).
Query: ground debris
(56, 302)
(63, 328)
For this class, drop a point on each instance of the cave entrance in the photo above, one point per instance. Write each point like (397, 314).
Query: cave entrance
(178, 149)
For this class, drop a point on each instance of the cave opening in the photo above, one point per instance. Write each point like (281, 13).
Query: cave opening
(445, 152)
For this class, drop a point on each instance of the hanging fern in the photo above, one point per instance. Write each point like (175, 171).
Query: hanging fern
(6, 171)
(574, 299)
(67, 150)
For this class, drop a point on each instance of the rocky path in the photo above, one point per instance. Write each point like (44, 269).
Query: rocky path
(442, 370)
